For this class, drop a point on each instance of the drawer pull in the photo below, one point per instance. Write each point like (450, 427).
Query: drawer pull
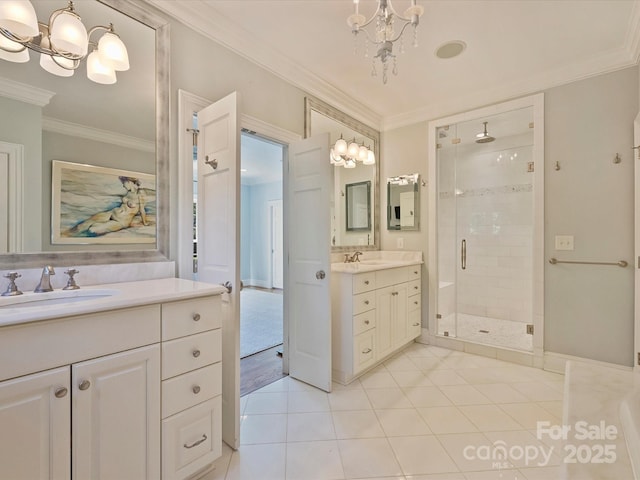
(366, 282)
(366, 350)
(195, 444)
(416, 324)
(415, 272)
(366, 302)
(60, 392)
(415, 303)
(84, 385)
(196, 317)
(196, 389)
(415, 288)
(366, 322)
(196, 353)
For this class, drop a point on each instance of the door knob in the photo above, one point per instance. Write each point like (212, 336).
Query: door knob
(84, 385)
(212, 163)
(320, 275)
(228, 285)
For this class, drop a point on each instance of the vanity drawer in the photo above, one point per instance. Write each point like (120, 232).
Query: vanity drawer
(414, 327)
(191, 440)
(364, 282)
(413, 303)
(364, 302)
(363, 350)
(391, 276)
(192, 352)
(184, 391)
(363, 322)
(414, 271)
(414, 287)
(188, 317)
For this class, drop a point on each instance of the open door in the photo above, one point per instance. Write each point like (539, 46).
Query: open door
(309, 263)
(636, 161)
(218, 240)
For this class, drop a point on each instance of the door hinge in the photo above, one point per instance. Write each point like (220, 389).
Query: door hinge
(529, 329)
(194, 135)
(438, 315)
(530, 167)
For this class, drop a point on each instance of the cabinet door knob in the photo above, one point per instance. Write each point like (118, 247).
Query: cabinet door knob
(366, 302)
(196, 443)
(415, 288)
(196, 389)
(196, 317)
(196, 353)
(416, 324)
(84, 385)
(366, 322)
(416, 302)
(366, 282)
(60, 392)
(366, 350)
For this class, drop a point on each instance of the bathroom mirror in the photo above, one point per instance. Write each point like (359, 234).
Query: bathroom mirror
(358, 206)
(120, 126)
(322, 118)
(404, 202)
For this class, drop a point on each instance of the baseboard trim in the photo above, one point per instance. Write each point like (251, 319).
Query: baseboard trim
(556, 362)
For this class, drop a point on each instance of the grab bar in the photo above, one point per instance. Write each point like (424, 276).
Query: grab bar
(620, 263)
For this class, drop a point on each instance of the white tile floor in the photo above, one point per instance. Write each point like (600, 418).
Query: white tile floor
(412, 418)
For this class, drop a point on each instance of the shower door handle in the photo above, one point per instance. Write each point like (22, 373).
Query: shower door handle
(463, 254)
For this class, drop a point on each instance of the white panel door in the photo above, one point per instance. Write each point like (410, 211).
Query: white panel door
(35, 426)
(309, 265)
(636, 143)
(116, 416)
(218, 239)
(275, 213)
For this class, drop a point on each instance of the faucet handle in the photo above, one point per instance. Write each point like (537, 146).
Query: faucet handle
(12, 288)
(356, 256)
(347, 258)
(71, 283)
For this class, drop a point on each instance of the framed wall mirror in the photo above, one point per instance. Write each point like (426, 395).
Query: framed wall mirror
(404, 202)
(121, 127)
(348, 231)
(358, 206)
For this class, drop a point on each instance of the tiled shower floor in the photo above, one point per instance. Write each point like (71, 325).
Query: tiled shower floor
(489, 331)
(411, 418)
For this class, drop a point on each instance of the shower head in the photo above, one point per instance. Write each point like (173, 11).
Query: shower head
(484, 137)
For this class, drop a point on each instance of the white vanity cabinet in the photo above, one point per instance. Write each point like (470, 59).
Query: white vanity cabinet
(191, 386)
(373, 315)
(120, 393)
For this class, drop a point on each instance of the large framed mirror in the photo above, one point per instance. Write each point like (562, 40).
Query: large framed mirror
(323, 118)
(120, 127)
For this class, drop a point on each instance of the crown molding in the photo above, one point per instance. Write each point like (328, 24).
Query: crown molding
(24, 92)
(202, 18)
(62, 127)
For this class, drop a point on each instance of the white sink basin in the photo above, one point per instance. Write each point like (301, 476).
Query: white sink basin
(377, 262)
(57, 297)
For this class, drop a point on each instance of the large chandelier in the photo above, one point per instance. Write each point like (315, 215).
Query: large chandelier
(347, 155)
(389, 27)
(62, 43)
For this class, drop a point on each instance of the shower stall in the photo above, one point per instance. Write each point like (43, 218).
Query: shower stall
(486, 228)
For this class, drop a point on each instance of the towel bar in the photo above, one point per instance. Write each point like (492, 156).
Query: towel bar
(620, 263)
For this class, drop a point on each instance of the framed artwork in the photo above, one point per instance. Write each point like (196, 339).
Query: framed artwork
(100, 205)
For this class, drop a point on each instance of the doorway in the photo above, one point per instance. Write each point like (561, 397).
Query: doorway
(261, 260)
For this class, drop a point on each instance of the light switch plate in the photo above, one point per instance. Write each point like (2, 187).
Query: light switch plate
(564, 242)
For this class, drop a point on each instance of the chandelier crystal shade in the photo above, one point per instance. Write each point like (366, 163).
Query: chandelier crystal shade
(62, 42)
(347, 155)
(388, 27)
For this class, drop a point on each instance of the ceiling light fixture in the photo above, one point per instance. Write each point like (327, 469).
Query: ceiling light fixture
(347, 155)
(62, 43)
(384, 34)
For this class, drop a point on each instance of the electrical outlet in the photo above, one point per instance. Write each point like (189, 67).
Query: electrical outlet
(400, 243)
(564, 242)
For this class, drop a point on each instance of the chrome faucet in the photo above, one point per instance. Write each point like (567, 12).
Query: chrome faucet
(352, 258)
(45, 280)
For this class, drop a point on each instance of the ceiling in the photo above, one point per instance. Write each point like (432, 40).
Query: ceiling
(514, 47)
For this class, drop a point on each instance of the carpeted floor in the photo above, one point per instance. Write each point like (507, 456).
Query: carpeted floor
(260, 320)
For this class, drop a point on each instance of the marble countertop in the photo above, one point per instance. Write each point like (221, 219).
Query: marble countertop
(376, 260)
(109, 297)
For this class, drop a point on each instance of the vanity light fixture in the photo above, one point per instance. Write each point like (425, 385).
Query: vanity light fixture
(347, 155)
(62, 43)
(384, 34)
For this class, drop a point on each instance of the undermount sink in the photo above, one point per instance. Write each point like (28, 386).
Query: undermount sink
(57, 297)
(376, 262)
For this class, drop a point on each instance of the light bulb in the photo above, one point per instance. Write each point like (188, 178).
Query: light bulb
(113, 52)
(19, 17)
(341, 146)
(98, 72)
(363, 153)
(50, 65)
(350, 163)
(353, 149)
(68, 34)
(371, 158)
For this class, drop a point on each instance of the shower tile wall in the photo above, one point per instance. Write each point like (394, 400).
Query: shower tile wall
(494, 196)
